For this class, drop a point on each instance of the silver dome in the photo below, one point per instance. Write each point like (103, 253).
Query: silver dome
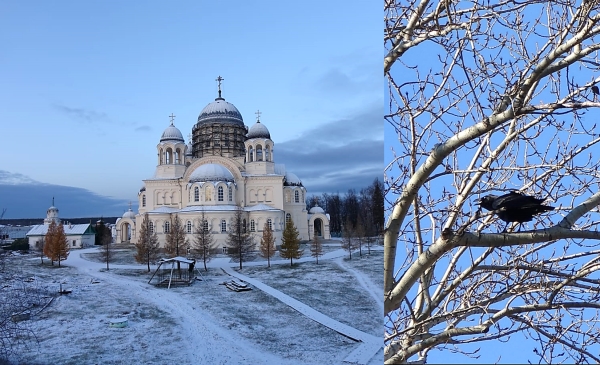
(316, 209)
(292, 179)
(172, 133)
(129, 214)
(220, 111)
(258, 130)
(211, 172)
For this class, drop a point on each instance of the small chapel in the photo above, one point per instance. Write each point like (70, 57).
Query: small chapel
(224, 166)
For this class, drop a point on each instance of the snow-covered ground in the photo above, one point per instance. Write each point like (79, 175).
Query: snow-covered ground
(206, 323)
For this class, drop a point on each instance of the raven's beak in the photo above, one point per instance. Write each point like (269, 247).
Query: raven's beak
(478, 201)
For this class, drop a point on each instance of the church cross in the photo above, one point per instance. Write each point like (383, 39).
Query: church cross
(172, 118)
(258, 113)
(130, 205)
(219, 79)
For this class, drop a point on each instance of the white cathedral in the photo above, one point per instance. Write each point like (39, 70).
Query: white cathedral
(225, 165)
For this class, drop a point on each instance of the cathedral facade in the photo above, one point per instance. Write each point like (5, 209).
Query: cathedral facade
(226, 165)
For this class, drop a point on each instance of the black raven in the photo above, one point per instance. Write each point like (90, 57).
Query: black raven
(514, 207)
(595, 90)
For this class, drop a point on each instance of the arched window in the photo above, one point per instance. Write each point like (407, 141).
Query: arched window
(252, 226)
(250, 154)
(144, 200)
(270, 224)
(296, 196)
(267, 153)
(167, 227)
(151, 227)
(223, 226)
(205, 225)
(230, 194)
(178, 156)
(259, 156)
(169, 156)
(196, 194)
(288, 217)
(188, 227)
(220, 194)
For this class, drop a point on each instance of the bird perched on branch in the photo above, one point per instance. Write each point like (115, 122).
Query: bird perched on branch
(595, 91)
(514, 207)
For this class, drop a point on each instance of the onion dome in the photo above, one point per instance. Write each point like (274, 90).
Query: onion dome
(129, 214)
(316, 209)
(292, 179)
(211, 172)
(220, 111)
(258, 130)
(172, 133)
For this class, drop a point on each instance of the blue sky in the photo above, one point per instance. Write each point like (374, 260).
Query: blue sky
(87, 87)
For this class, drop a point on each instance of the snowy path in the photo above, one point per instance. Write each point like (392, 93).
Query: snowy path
(365, 282)
(207, 342)
(361, 355)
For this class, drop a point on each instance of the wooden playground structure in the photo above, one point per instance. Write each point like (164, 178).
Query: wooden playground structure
(175, 274)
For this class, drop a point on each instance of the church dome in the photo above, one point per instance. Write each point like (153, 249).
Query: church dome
(172, 133)
(220, 111)
(211, 172)
(129, 214)
(292, 179)
(316, 209)
(258, 130)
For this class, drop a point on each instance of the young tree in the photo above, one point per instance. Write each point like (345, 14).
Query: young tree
(147, 245)
(56, 247)
(175, 237)
(316, 247)
(176, 240)
(506, 99)
(239, 239)
(349, 241)
(267, 244)
(360, 233)
(203, 240)
(290, 243)
(104, 239)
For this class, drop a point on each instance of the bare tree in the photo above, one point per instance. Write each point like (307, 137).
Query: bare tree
(349, 241)
(316, 247)
(20, 301)
(147, 245)
(203, 240)
(488, 97)
(241, 243)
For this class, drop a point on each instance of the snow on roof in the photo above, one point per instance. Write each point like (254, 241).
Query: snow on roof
(176, 259)
(260, 207)
(164, 210)
(42, 229)
(209, 208)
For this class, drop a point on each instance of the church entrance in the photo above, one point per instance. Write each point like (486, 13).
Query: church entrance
(318, 227)
(125, 232)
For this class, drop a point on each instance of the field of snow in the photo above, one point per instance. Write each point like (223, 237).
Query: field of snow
(204, 323)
